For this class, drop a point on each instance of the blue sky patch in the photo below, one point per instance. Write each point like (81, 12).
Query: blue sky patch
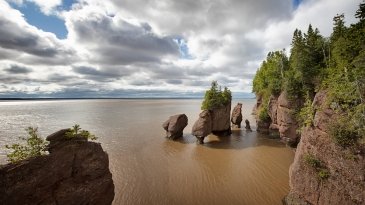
(184, 49)
(51, 23)
(296, 3)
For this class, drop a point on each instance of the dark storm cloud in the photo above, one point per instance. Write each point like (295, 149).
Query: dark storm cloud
(16, 69)
(15, 37)
(14, 79)
(115, 41)
(174, 81)
(95, 74)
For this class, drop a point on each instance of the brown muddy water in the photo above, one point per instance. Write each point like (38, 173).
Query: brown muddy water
(245, 168)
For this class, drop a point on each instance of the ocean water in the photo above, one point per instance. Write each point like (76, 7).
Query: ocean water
(244, 168)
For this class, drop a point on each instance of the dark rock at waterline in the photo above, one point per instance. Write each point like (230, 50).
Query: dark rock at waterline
(248, 127)
(263, 127)
(175, 125)
(203, 126)
(75, 172)
(236, 118)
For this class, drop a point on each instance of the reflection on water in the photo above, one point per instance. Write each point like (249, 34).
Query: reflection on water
(244, 168)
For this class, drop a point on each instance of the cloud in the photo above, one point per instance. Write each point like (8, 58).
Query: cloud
(25, 43)
(46, 6)
(15, 69)
(110, 39)
(147, 47)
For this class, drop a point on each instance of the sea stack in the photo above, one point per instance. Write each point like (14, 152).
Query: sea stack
(236, 118)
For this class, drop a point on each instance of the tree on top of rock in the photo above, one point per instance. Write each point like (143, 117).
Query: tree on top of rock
(215, 97)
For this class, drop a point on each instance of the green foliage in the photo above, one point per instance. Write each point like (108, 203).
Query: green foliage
(215, 97)
(322, 172)
(269, 77)
(346, 130)
(312, 161)
(307, 61)
(360, 13)
(76, 131)
(35, 146)
(269, 80)
(305, 116)
(263, 114)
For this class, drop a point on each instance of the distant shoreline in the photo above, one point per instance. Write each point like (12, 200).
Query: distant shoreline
(126, 98)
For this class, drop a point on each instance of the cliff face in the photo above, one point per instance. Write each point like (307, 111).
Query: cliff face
(75, 172)
(281, 111)
(345, 182)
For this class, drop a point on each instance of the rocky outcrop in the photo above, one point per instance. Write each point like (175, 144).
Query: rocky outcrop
(175, 125)
(281, 112)
(272, 111)
(203, 126)
(257, 104)
(221, 116)
(76, 171)
(345, 179)
(286, 121)
(236, 118)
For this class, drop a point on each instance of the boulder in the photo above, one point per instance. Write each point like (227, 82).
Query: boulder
(203, 126)
(175, 125)
(75, 172)
(236, 118)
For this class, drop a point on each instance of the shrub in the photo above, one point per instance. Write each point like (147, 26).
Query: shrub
(76, 131)
(264, 114)
(343, 131)
(305, 116)
(35, 146)
(312, 161)
(322, 172)
(215, 97)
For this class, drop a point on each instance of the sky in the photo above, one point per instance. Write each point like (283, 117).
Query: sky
(148, 48)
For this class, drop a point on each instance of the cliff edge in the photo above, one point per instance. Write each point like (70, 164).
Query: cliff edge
(324, 172)
(76, 171)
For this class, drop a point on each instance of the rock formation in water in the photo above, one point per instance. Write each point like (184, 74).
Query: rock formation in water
(281, 118)
(248, 127)
(221, 116)
(76, 171)
(175, 125)
(286, 120)
(337, 177)
(203, 126)
(236, 118)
